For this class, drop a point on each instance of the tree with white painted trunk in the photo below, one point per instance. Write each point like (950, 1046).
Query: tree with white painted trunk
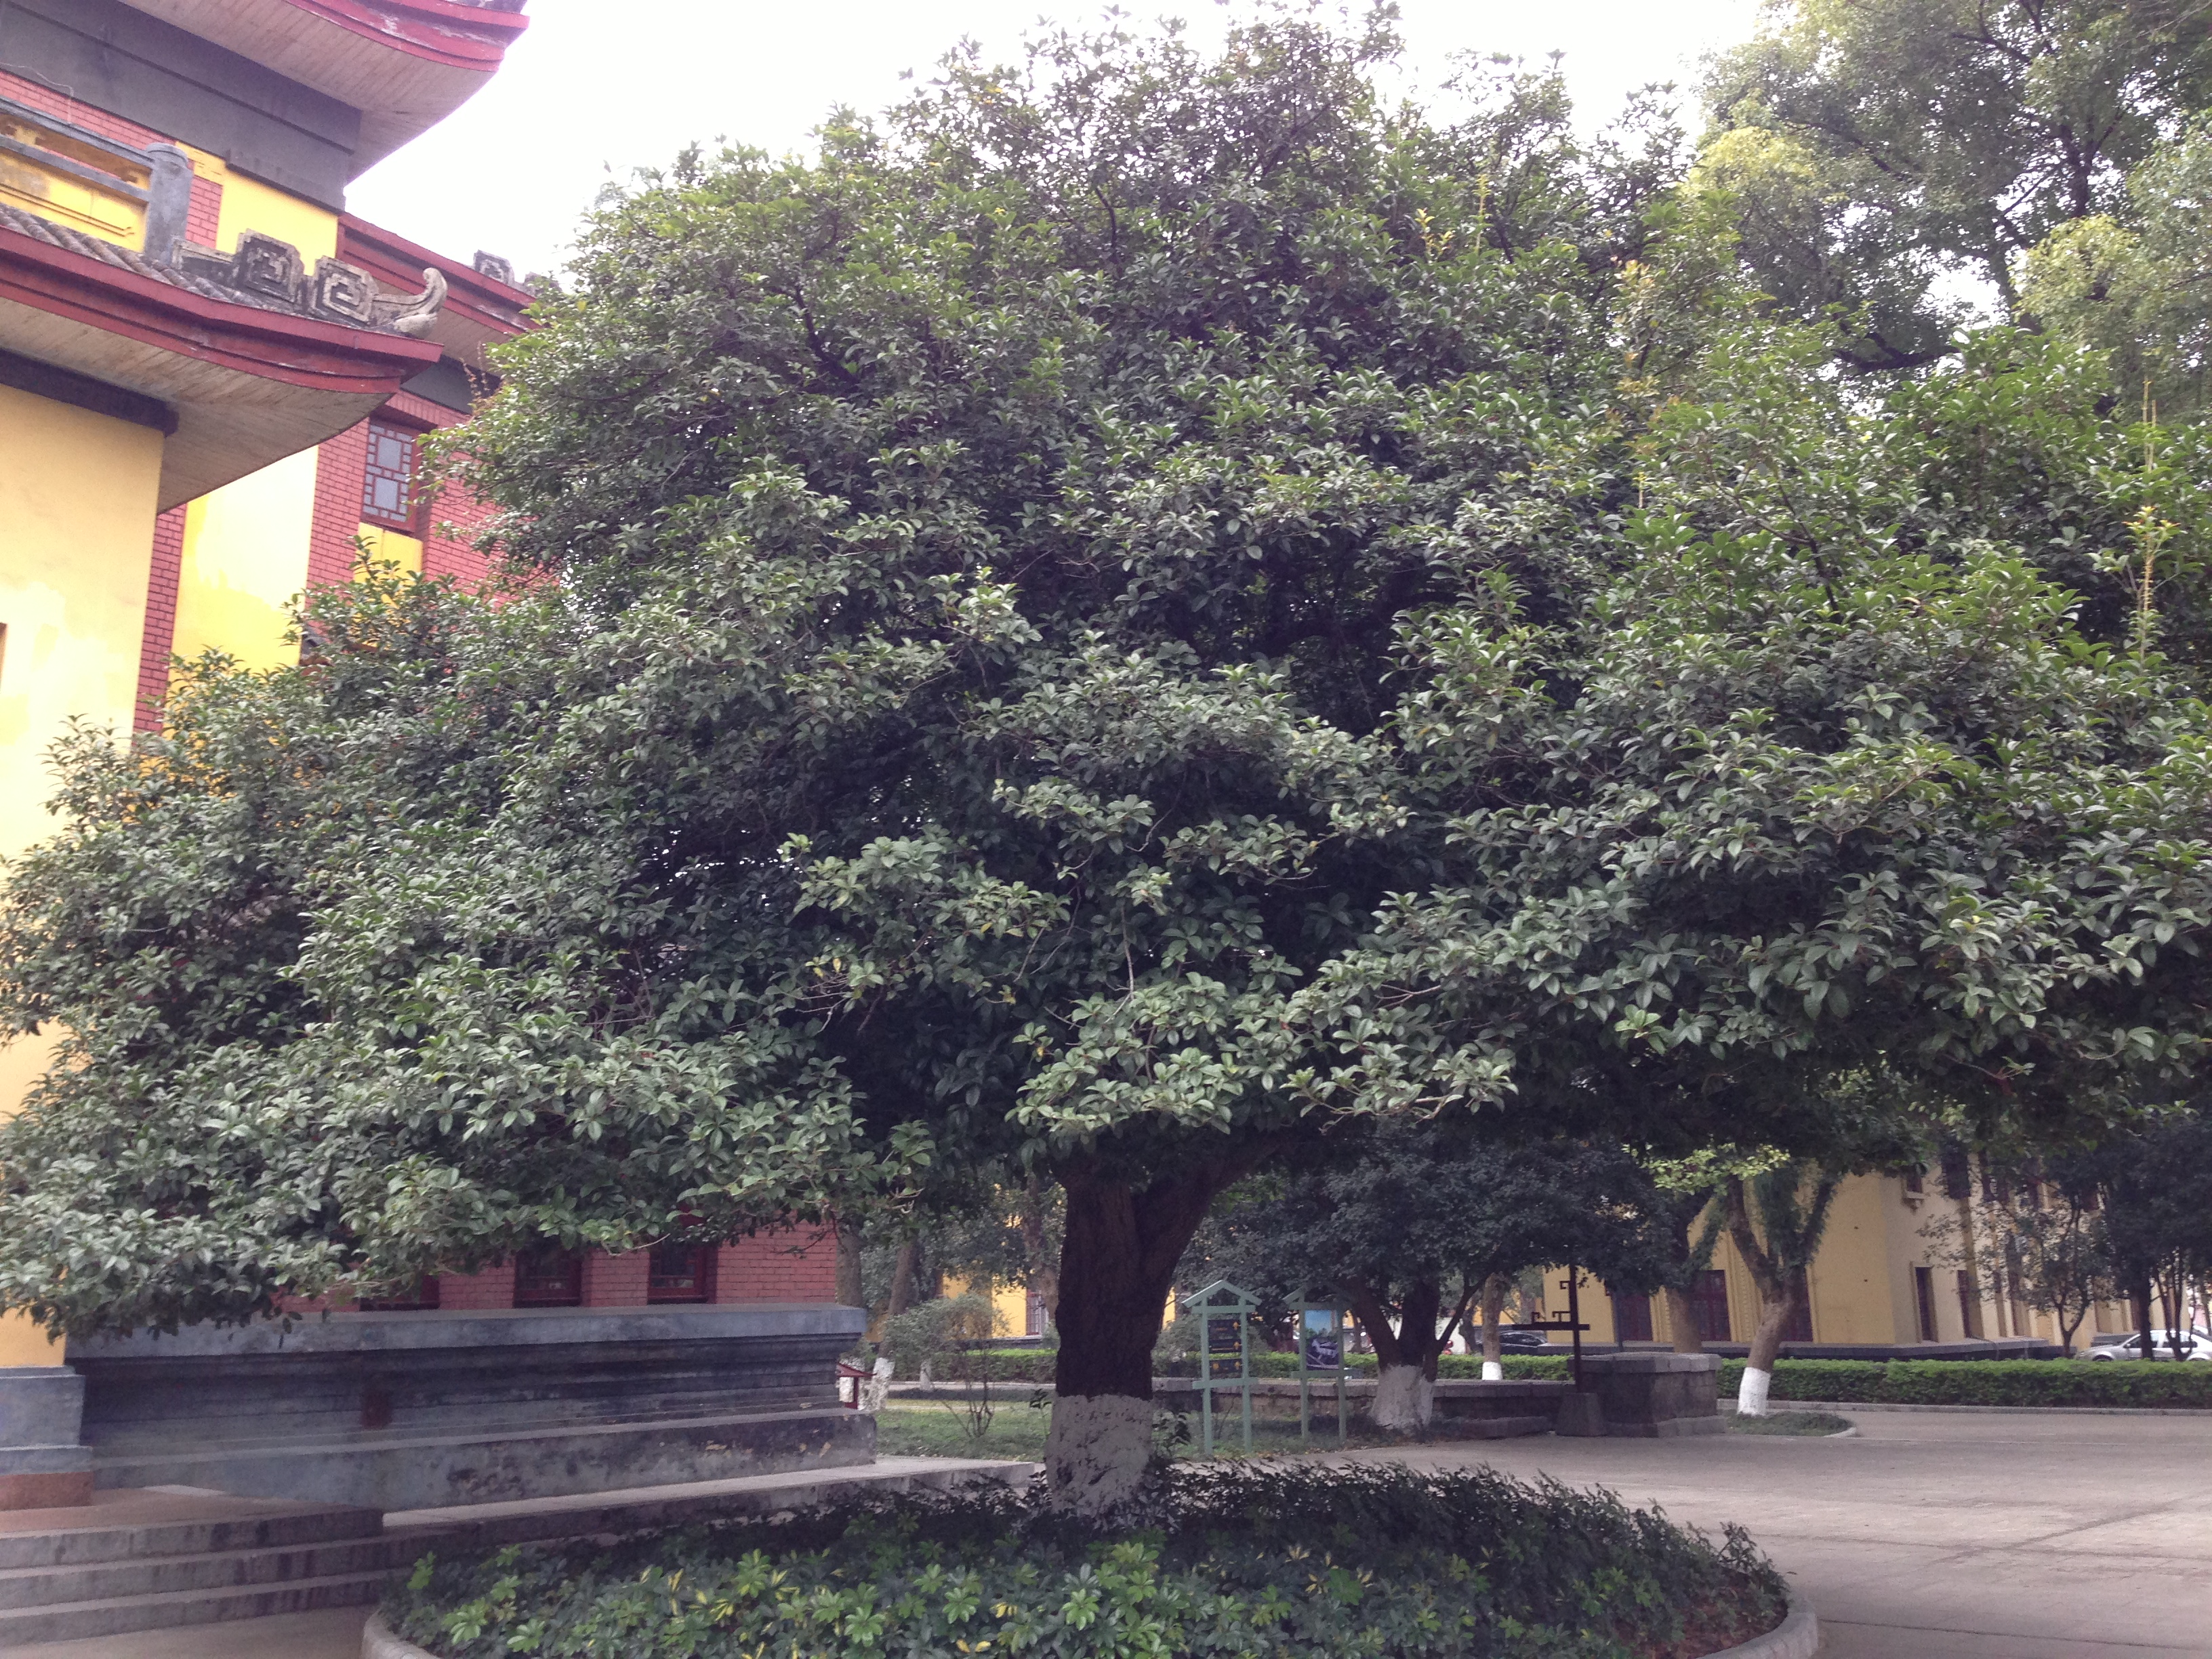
(1420, 1230)
(1775, 1220)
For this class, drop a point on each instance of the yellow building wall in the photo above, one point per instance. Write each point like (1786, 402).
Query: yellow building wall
(249, 205)
(389, 546)
(244, 560)
(77, 495)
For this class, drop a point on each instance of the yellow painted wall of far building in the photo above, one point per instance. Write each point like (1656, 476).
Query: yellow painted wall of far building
(77, 494)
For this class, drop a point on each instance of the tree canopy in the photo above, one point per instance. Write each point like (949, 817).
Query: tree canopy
(1136, 608)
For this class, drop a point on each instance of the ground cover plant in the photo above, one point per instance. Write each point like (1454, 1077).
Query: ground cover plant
(1802, 1424)
(1251, 1562)
(1985, 1383)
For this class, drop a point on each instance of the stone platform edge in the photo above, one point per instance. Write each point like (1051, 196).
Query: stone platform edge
(1797, 1636)
(1776, 1403)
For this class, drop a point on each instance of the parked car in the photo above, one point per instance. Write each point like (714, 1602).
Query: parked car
(2194, 1345)
(1511, 1340)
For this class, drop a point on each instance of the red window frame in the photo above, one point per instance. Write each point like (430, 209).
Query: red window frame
(391, 478)
(549, 1278)
(681, 1272)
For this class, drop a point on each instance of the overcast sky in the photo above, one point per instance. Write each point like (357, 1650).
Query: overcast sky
(599, 88)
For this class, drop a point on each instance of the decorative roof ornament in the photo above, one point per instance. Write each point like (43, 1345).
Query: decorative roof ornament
(272, 270)
(414, 317)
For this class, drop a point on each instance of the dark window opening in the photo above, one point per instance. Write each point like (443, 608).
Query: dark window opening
(1708, 1304)
(1958, 1178)
(1631, 1318)
(549, 1278)
(1970, 1306)
(1916, 1180)
(1924, 1292)
(681, 1272)
(388, 492)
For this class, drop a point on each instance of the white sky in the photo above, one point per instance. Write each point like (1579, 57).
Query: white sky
(599, 88)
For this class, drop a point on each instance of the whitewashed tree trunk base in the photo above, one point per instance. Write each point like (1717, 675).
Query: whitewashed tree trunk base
(1096, 1451)
(1751, 1399)
(1492, 1371)
(1405, 1400)
(876, 1388)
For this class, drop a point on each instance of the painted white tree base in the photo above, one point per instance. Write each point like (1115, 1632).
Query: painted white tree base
(1493, 1371)
(1405, 1400)
(1096, 1451)
(1751, 1398)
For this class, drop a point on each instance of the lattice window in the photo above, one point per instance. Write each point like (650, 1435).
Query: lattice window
(681, 1272)
(388, 490)
(549, 1278)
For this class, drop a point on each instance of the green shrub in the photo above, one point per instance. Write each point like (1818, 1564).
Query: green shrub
(1985, 1382)
(1260, 1563)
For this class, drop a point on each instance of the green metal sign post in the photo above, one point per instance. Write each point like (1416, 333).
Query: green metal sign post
(1225, 1352)
(1321, 1333)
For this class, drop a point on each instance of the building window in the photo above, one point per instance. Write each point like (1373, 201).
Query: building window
(549, 1278)
(388, 492)
(681, 1272)
(1915, 1181)
(1709, 1304)
(1970, 1307)
(1924, 1292)
(1631, 1318)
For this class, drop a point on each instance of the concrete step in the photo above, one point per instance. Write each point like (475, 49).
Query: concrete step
(175, 1609)
(123, 1526)
(213, 1570)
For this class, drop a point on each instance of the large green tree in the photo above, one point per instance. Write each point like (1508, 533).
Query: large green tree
(1877, 152)
(1121, 615)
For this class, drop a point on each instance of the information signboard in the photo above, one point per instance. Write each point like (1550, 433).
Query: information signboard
(1321, 1329)
(1224, 1315)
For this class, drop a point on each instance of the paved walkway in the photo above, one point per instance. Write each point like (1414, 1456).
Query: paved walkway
(1945, 1535)
(1928, 1535)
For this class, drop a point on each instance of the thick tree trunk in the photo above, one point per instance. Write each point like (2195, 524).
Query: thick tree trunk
(1405, 1356)
(1117, 1264)
(1493, 1308)
(903, 1279)
(1774, 1317)
(1682, 1322)
(849, 1291)
(1043, 1276)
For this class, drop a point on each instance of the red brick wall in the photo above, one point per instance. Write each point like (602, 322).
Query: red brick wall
(340, 466)
(794, 1264)
(475, 1292)
(616, 1281)
(160, 637)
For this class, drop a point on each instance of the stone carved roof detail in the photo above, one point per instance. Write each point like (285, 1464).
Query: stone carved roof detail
(272, 271)
(264, 273)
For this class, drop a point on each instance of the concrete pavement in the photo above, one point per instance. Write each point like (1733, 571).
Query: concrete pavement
(1928, 1535)
(1943, 1535)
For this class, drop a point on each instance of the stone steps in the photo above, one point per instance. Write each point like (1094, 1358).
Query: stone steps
(175, 1609)
(151, 1561)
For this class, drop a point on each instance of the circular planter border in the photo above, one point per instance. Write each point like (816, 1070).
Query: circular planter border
(1797, 1636)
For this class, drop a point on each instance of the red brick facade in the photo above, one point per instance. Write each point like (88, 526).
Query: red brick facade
(156, 645)
(339, 466)
(791, 1264)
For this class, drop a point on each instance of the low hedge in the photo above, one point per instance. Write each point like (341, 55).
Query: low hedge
(1261, 1563)
(1985, 1382)
(1450, 1367)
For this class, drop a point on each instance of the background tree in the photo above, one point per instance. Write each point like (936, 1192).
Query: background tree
(1409, 1227)
(2043, 1239)
(1776, 1220)
(2157, 1226)
(1880, 150)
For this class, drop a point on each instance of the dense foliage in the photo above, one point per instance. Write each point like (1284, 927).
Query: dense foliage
(1987, 1382)
(1140, 611)
(1368, 1562)
(1406, 1229)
